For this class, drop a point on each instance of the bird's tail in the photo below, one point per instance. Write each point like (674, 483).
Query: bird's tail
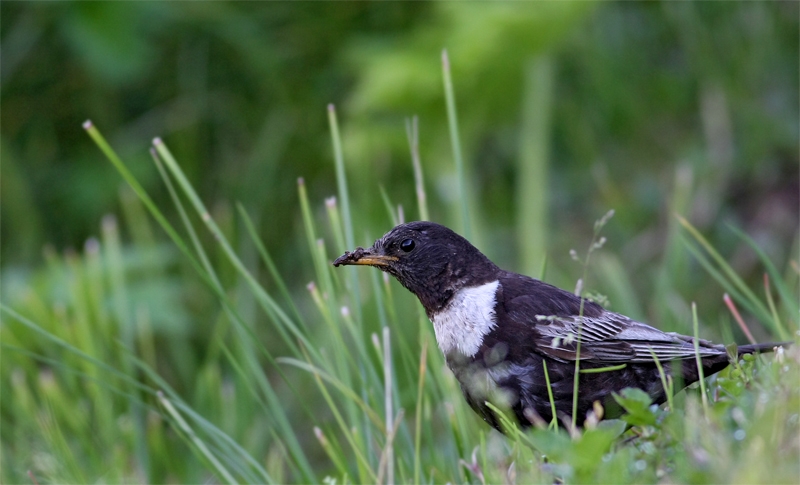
(765, 347)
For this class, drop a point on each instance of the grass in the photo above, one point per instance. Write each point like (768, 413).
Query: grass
(342, 384)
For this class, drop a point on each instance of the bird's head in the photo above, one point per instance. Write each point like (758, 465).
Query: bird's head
(429, 259)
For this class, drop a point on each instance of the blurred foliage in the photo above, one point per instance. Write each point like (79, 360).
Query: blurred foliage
(239, 88)
(646, 98)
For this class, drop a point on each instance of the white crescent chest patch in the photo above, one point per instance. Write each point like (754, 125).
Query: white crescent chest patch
(469, 317)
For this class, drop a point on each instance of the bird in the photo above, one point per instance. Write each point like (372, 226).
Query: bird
(512, 340)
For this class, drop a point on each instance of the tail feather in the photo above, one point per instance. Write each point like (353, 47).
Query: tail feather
(765, 347)
(714, 364)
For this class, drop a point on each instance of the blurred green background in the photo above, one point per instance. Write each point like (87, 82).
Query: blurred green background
(639, 104)
(566, 110)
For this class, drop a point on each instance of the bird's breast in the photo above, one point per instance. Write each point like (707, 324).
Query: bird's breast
(469, 316)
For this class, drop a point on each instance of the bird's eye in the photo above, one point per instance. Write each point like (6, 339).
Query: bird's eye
(407, 245)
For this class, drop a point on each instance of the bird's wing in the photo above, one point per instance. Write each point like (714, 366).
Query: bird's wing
(614, 338)
(605, 337)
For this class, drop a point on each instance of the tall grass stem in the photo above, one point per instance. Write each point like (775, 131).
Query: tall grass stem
(412, 132)
(698, 359)
(455, 140)
(532, 166)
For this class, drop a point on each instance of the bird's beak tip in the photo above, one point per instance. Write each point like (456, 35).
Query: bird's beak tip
(351, 257)
(363, 256)
(344, 259)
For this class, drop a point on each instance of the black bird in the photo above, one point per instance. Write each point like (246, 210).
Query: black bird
(497, 330)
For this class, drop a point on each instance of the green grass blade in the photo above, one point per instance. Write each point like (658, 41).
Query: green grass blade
(352, 437)
(201, 446)
(783, 289)
(666, 381)
(98, 138)
(346, 390)
(598, 370)
(554, 419)
(261, 296)
(337, 226)
(387, 204)
(270, 264)
(341, 177)
(746, 301)
(418, 411)
(532, 168)
(70, 348)
(247, 338)
(730, 275)
(698, 360)
(99, 380)
(347, 217)
(455, 140)
(412, 132)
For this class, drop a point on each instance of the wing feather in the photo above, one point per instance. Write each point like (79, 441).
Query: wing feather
(605, 337)
(615, 338)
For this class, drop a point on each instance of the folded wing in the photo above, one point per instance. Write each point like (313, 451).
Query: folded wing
(605, 337)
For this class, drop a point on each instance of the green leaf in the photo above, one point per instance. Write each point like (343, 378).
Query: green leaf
(636, 403)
